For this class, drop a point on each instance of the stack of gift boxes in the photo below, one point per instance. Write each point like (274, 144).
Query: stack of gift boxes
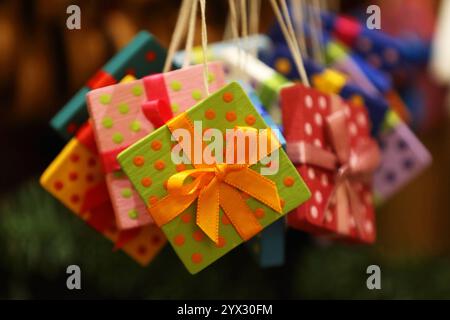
(340, 147)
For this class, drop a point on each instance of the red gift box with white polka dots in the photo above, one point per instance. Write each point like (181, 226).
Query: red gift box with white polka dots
(304, 111)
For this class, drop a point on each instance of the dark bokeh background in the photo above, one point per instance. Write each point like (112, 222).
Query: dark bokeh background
(42, 64)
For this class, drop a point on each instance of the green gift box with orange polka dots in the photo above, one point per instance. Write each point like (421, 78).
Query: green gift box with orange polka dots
(226, 108)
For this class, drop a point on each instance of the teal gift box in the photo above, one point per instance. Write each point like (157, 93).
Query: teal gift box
(141, 57)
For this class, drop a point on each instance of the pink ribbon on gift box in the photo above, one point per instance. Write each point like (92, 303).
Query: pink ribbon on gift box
(351, 164)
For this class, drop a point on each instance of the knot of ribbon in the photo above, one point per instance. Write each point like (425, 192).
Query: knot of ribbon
(216, 186)
(352, 164)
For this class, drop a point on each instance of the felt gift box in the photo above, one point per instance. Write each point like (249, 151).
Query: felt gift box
(141, 57)
(329, 140)
(209, 208)
(398, 165)
(76, 179)
(126, 112)
(403, 158)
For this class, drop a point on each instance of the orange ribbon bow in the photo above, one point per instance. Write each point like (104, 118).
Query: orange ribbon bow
(352, 165)
(215, 186)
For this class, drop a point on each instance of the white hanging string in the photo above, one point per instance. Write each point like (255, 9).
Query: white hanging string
(191, 33)
(204, 46)
(178, 34)
(255, 11)
(291, 40)
(233, 18)
(244, 32)
(316, 30)
(235, 33)
(298, 15)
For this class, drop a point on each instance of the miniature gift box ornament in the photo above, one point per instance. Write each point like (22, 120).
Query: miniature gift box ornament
(76, 179)
(124, 113)
(141, 57)
(399, 165)
(404, 157)
(206, 206)
(329, 141)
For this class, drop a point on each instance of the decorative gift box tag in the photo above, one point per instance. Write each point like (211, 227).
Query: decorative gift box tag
(208, 208)
(76, 179)
(330, 143)
(141, 57)
(126, 112)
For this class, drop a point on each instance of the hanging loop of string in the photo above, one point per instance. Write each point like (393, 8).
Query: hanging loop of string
(204, 46)
(298, 15)
(191, 33)
(186, 20)
(178, 33)
(289, 34)
(316, 30)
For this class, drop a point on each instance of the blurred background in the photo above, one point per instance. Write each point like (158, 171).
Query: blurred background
(42, 64)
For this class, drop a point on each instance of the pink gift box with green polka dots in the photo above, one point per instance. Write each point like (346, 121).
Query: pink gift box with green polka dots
(119, 120)
(225, 109)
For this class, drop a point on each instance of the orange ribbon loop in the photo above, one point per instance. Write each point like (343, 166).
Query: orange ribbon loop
(216, 186)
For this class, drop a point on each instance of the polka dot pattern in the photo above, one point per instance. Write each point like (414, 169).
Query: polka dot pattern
(123, 108)
(156, 145)
(107, 122)
(197, 95)
(283, 65)
(139, 161)
(231, 116)
(227, 97)
(105, 99)
(117, 138)
(146, 182)
(159, 165)
(210, 114)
